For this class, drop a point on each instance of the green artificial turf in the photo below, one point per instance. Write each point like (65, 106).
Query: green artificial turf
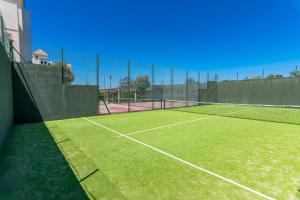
(33, 167)
(263, 156)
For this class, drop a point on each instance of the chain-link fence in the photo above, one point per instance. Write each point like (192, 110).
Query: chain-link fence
(129, 86)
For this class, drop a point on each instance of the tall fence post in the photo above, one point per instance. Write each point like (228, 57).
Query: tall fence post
(162, 89)
(97, 71)
(172, 85)
(129, 93)
(62, 65)
(152, 85)
(86, 78)
(63, 81)
(187, 86)
(104, 87)
(199, 85)
(207, 78)
(97, 80)
(110, 92)
(120, 96)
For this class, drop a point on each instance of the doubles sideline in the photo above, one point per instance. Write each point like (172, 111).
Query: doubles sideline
(182, 161)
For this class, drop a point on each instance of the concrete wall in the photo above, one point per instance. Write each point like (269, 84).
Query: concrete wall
(81, 100)
(45, 83)
(25, 109)
(6, 96)
(266, 91)
(55, 100)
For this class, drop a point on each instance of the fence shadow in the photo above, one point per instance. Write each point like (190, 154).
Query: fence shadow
(32, 167)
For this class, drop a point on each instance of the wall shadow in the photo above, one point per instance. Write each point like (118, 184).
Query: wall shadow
(32, 167)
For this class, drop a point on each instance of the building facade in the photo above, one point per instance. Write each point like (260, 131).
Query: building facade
(17, 23)
(40, 57)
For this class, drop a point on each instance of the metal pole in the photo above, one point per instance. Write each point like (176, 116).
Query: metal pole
(110, 78)
(207, 79)
(263, 74)
(172, 85)
(97, 80)
(129, 86)
(162, 89)
(152, 87)
(121, 95)
(186, 86)
(237, 76)
(86, 82)
(97, 71)
(104, 86)
(110, 93)
(199, 86)
(62, 66)
(104, 82)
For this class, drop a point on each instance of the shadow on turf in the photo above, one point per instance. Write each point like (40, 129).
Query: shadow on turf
(32, 167)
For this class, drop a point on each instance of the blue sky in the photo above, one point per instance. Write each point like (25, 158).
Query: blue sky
(213, 35)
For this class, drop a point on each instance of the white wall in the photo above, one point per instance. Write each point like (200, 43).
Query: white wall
(26, 36)
(10, 15)
(17, 22)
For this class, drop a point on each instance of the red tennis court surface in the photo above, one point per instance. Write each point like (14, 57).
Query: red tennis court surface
(134, 107)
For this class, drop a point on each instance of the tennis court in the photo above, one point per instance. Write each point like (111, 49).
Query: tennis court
(198, 152)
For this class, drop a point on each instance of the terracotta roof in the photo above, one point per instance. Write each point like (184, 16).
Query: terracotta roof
(40, 52)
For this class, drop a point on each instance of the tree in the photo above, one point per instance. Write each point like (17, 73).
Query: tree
(191, 81)
(255, 77)
(295, 73)
(68, 73)
(124, 82)
(141, 83)
(277, 76)
(216, 78)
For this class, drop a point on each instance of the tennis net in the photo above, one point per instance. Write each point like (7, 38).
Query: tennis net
(272, 113)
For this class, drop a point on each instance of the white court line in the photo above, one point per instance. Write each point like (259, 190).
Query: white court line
(183, 161)
(181, 123)
(166, 126)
